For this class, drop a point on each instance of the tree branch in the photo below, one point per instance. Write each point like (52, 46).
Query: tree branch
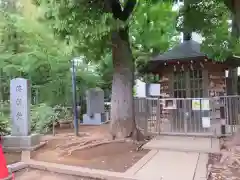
(124, 14)
(128, 9)
(116, 9)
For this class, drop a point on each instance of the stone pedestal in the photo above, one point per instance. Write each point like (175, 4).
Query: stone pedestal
(95, 119)
(21, 143)
(95, 101)
(95, 107)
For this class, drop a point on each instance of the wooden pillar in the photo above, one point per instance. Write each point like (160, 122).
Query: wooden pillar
(231, 82)
(205, 83)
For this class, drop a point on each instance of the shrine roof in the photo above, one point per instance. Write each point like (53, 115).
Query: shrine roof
(183, 53)
(185, 50)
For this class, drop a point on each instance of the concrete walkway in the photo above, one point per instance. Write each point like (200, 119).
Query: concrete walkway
(170, 165)
(185, 144)
(175, 157)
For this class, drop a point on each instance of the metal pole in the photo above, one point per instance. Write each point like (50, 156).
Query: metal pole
(75, 118)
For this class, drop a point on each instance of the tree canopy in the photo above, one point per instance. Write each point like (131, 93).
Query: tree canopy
(131, 29)
(214, 21)
(30, 50)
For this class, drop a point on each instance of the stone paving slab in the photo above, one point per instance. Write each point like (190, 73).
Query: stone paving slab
(201, 169)
(169, 165)
(185, 144)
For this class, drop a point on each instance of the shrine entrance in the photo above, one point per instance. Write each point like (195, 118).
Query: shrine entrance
(187, 86)
(194, 95)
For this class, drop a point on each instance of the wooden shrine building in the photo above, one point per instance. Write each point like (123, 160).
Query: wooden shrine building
(196, 90)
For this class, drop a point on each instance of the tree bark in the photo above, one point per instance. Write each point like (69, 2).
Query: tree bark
(236, 19)
(122, 123)
(234, 7)
(122, 103)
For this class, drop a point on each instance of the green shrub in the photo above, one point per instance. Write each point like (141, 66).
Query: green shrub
(5, 118)
(4, 124)
(42, 118)
(63, 113)
(5, 107)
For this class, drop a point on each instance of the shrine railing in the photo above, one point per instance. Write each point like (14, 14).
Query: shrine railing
(197, 116)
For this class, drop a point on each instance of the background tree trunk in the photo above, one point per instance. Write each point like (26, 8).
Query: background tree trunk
(236, 18)
(122, 103)
(234, 7)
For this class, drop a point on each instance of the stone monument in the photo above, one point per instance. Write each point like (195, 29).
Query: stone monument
(95, 107)
(20, 98)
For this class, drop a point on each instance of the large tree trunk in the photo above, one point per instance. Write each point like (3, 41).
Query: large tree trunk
(122, 103)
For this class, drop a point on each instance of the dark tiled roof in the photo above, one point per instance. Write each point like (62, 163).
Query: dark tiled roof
(185, 50)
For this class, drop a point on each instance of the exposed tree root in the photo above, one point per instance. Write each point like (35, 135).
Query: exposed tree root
(71, 143)
(93, 140)
(138, 135)
(61, 146)
(140, 129)
(139, 147)
(77, 142)
(82, 144)
(88, 146)
(72, 146)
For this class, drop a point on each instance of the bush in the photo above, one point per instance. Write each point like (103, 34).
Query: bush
(5, 118)
(5, 107)
(4, 124)
(63, 113)
(42, 118)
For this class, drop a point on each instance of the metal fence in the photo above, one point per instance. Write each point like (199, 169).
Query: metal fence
(188, 116)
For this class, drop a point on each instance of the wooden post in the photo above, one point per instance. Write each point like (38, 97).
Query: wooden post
(158, 116)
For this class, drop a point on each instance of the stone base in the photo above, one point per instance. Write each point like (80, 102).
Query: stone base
(96, 119)
(21, 143)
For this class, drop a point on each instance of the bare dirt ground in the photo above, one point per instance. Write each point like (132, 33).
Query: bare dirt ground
(226, 165)
(12, 157)
(93, 149)
(30, 174)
